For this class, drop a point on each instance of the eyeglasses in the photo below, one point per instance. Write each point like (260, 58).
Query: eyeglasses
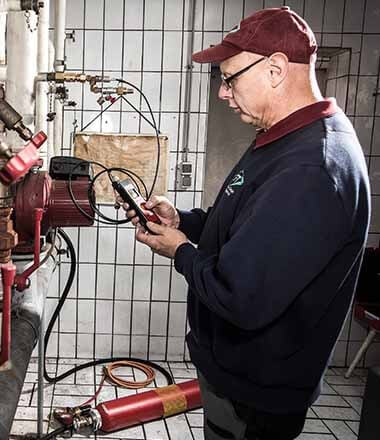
(226, 81)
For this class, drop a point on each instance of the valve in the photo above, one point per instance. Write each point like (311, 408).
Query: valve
(23, 161)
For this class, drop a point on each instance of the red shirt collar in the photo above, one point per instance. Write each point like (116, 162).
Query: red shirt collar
(296, 120)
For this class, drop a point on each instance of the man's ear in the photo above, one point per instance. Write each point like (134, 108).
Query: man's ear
(278, 67)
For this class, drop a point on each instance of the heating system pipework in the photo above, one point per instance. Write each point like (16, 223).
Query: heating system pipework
(65, 196)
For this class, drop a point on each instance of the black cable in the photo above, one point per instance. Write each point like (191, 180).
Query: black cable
(155, 128)
(108, 220)
(66, 290)
(54, 317)
(133, 176)
(53, 434)
(153, 124)
(100, 114)
(138, 111)
(129, 173)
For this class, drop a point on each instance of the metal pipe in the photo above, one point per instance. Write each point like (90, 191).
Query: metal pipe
(189, 81)
(25, 327)
(42, 66)
(364, 347)
(22, 69)
(41, 364)
(21, 281)
(59, 35)
(3, 72)
(50, 126)
(8, 271)
(59, 66)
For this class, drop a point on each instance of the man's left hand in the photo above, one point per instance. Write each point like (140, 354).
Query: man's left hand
(164, 241)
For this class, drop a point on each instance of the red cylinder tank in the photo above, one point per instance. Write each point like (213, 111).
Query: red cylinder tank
(160, 402)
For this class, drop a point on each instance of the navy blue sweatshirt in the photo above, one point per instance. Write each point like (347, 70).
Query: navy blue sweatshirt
(278, 256)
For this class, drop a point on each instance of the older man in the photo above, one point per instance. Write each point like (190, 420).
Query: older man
(279, 253)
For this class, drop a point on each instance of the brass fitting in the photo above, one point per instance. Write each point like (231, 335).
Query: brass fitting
(8, 236)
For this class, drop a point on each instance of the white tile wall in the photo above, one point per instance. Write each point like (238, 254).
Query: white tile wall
(123, 282)
(152, 50)
(112, 50)
(74, 52)
(170, 91)
(104, 315)
(233, 13)
(151, 85)
(161, 279)
(106, 245)
(333, 16)
(372, 12)
(365, 99)
(133, 50)
(86, 316)
(353, 15)
(172, 59)
(158, 319)
(105, 281)
(93, 50)
(68, 316)
(103, 345)
(114, 10)
(139, 346)
(74, 13)
(142, 282)
(94, 14)
(173, 15)
(213, 15)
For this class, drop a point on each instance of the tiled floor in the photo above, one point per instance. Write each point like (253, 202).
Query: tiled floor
(335, 416)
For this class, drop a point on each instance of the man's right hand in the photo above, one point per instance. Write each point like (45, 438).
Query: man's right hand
(161, 206)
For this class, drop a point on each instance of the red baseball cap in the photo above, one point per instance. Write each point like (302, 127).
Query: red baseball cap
(264, 33)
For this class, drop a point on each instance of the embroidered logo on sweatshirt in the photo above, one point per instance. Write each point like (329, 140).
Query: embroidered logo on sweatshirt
(237, 180)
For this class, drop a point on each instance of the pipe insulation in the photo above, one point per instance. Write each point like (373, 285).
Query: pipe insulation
(42, 66)
(26, 320)
(22, 69)
(10, 5)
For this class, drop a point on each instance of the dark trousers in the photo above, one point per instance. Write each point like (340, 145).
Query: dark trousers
(226, 419)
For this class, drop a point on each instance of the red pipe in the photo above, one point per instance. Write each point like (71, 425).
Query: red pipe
(21, 280)
(161, 402)
(8, 271)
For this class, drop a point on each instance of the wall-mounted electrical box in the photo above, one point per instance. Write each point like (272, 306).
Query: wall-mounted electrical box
(184, 175)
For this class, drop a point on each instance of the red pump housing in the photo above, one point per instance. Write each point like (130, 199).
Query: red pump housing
(39, 190)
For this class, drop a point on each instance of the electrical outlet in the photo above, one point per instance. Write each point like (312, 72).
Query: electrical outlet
(184, 175)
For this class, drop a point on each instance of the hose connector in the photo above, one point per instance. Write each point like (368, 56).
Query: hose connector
(89, 418)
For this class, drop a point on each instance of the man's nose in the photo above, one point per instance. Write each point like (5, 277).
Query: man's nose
(224, 92)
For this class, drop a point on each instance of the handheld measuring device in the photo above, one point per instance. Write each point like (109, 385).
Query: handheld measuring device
(129, 193)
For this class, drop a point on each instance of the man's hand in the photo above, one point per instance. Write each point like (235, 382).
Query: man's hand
(161, 206)
(165, 240)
